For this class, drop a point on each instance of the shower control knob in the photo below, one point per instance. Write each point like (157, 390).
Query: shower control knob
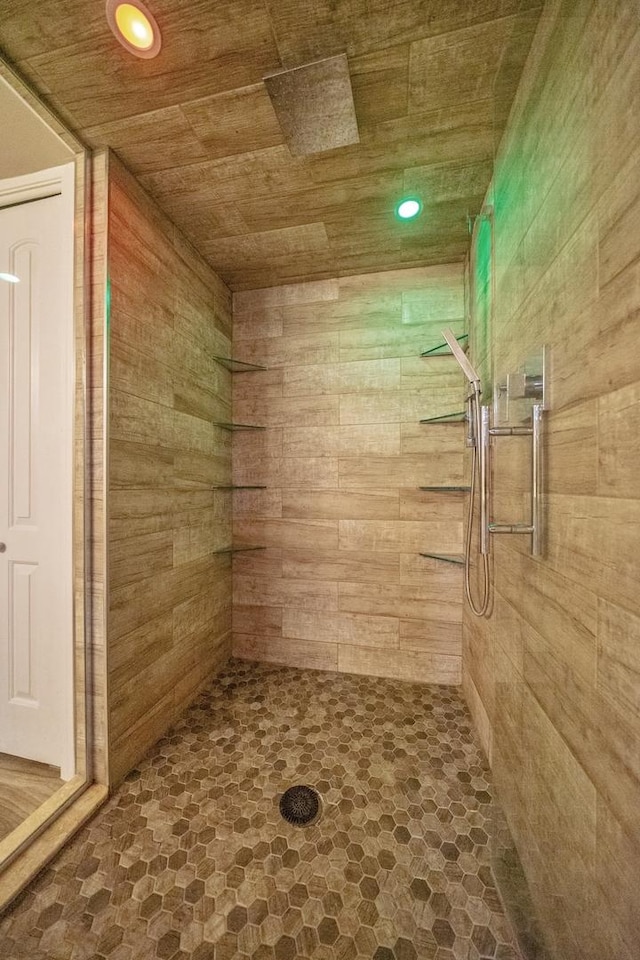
(524, 385)
(3, 547)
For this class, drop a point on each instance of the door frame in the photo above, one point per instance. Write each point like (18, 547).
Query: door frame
(25, 851)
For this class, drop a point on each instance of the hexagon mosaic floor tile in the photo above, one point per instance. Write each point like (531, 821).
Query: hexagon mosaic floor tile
(192, 859)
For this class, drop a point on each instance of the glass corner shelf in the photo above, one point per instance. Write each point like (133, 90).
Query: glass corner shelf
(238, 486)
(238, 366)
(446, 489)
(240, 548)
(459, 561)
(458, 417)
(236, 426)
(443, 349)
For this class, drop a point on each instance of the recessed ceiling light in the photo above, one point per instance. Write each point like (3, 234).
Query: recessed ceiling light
(134, 27)
(408, 208)
(9, 277)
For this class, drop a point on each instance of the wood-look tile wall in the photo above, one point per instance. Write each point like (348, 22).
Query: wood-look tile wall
(169, 594)
(96, 401)
(341, 585)
(554, 676)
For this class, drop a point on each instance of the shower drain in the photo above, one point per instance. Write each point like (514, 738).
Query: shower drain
(300, 805)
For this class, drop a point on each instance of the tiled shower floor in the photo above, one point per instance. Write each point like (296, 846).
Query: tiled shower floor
(190, 858)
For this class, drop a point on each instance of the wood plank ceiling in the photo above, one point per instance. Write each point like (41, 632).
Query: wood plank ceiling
(432, 80)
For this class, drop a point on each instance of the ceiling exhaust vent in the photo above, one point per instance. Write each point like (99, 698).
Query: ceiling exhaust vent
(314, 105)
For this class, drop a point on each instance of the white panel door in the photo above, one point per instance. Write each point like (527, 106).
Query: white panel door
(36, 462)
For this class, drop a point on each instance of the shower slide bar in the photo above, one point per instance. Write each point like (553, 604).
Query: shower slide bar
(534, 527)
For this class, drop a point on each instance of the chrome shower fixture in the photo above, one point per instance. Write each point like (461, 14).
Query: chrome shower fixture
(470, 439)
(470, 373)
(479, 462)
(527, 384)
(515, 392)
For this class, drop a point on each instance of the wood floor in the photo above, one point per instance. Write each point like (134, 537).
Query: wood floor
(24, 785)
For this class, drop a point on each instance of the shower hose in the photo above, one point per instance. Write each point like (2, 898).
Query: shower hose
(479, 609)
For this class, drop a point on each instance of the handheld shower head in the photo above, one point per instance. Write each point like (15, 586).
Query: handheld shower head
(472, 375)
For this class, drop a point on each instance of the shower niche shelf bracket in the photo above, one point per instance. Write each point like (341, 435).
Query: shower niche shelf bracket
(236, 426)
(445, 489)
(445, 558)
(238, 486)
(239, 548)
(444, 350)
(238, 366)
(458, 417)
